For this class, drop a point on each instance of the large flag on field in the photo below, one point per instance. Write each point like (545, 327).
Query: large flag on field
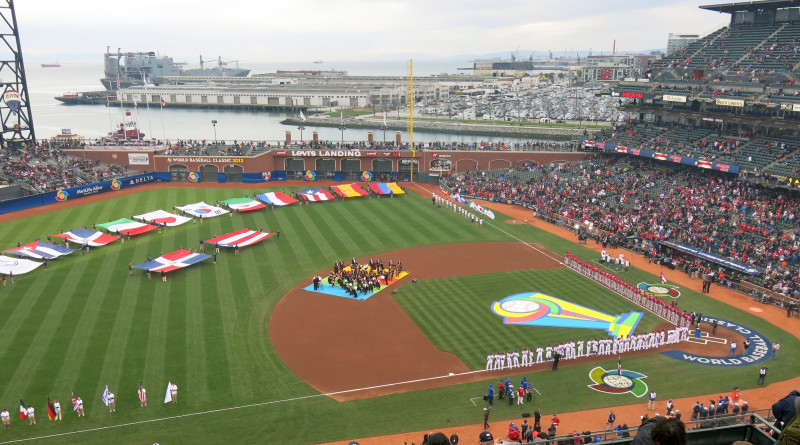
(163, 217)
(241, 238)
(477, 207)
(386, 188)
(17, 266)
(173, 261)
(88, 237)
(276, 198)
(244, 204)
(202, 210)
(315, 194)
(23, 413)
(40, 249)
(127, 226)
(349, 190)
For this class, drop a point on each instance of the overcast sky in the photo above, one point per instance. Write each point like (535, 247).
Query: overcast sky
(303, 30)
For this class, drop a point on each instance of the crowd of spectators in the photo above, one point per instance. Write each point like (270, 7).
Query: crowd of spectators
(42, 168)
(646, 201)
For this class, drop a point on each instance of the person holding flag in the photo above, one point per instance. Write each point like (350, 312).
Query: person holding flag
(142, 395)
(663, 278)
(6, 418)
(31, 416)
(57, 408)
(172, 393)
(51, 410)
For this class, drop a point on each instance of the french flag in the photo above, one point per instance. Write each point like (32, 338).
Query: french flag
(276, 198)
(40, 249)
(173, 261)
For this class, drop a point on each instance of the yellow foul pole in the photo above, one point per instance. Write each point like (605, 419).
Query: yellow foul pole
(410, 120)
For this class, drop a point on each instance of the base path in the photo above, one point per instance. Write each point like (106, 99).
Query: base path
(336, 344)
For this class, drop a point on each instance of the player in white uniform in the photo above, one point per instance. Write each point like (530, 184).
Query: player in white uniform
(539, 352)
(525, 356)
(515, 357)
(490, 362)
(548, 353)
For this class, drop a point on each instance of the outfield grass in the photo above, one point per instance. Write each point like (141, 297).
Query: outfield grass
(85, 323)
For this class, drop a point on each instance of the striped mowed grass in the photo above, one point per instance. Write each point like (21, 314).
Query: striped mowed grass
(84, 323)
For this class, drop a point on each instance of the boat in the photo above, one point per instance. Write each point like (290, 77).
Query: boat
(318, 61)
(102, 97)
(127, 129)
(51, 65)
(126, 69)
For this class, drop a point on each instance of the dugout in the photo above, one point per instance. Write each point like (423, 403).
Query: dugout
(405, 169)
(208, 173)
(351, 169)
(295, 167)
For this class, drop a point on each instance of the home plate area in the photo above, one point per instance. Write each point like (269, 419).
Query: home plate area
(338, 291)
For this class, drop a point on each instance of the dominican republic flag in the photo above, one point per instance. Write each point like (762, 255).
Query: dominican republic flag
(349, 190)
(315, 194)
(142, 394)
(663, 278)
(51, 409)
(241, 238)
(40, 249)
(88, 237)
(127, 226)
(276, 198)
(23, 413)
(243, 204)
(202, 210)
(173, 261)
(74, 402)
(163, 217)
(619, 365)
(168, 395)
(17, 266)
(105, 396)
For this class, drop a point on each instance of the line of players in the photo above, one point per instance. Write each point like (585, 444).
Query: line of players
(668, 311)
(591, 347)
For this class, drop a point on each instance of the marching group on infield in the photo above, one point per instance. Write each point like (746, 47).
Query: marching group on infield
(363, 278)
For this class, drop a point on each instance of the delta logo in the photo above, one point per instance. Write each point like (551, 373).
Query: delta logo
(115, 185)
(660, 290)
(366, 176)
(193, 177)
(310, 175)
(62, 195)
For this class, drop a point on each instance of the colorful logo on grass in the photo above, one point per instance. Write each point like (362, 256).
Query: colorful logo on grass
(618, 382)
(660, 290)
(366, 176)
(266, 176)
(538, 309)
(310, 175)
(193, 177)
(115, 185)
(62, 195)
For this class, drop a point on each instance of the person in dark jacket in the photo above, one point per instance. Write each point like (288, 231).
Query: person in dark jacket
(783, 409)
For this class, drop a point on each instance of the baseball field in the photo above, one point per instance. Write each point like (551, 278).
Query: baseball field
(258, 359)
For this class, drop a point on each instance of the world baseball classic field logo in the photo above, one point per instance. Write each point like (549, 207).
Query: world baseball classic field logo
(618, 381)
(760, 348)
(115, 185)
(660, 290)
(538, 309)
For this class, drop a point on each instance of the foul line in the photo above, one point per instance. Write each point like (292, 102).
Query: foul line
(219, 410)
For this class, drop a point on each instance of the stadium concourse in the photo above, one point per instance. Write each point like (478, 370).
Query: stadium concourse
(596, 419)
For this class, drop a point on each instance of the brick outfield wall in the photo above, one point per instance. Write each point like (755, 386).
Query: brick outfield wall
(460, 160)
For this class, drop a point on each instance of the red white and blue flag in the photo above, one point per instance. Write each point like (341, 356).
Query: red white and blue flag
(40, 249)
(663, 278)
(173, 261)
(23, 413)
(163, 217)
(142, 394)
(276, 198)
(241, 238)
(74, 402)
(315, 194)
(88, 237)
(202, 210)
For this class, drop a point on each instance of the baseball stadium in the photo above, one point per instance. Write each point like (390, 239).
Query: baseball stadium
(388, 294)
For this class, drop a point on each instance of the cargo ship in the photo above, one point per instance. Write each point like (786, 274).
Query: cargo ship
(126, 69)
(51, 65)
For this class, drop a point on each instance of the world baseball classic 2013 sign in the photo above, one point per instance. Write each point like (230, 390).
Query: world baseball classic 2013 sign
(760, 347)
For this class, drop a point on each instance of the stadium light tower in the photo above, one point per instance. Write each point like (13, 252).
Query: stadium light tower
(15, 109)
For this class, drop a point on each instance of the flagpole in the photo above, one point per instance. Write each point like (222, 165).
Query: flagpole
(163, 128)
(147, 103)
